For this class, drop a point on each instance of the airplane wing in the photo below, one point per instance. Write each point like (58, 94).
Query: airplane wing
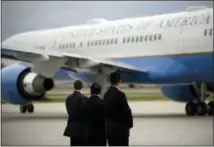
(96, 63)
(73, 61)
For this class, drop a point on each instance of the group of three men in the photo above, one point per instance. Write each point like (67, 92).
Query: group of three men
(93, 121)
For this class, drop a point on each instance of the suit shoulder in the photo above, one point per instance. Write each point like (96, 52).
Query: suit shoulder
(69, 97)
(121, 92)
(84, 97)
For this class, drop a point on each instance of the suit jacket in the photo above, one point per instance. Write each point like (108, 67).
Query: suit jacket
(74, 103)
(118, 113)
(94, 117)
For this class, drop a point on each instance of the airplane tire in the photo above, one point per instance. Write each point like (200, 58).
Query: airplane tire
(210, 108)
(23, 109)
(191, 109)
(201, 108)
(30, 108)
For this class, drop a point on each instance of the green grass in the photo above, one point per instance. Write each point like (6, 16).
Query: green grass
(53, 98)
(130, 97)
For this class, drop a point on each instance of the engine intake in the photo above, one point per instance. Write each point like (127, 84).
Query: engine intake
(35, 84)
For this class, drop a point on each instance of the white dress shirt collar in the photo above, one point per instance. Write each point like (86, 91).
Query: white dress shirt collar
(79, 91)
(116, 87)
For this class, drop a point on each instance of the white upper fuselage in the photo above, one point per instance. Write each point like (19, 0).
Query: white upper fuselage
(169, 34)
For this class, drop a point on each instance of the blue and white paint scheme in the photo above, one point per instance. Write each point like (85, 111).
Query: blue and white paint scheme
(174, 50)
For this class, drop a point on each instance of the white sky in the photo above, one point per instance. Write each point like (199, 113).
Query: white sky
(21, 16)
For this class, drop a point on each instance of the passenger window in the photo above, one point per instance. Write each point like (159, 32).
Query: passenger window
(211, 32)
(115, 41)
(145, 38)
(136, 39)
(160, 37)
(205, 32)
(112, 41)
(59, 46)
(155, 37)
(88, 44)
(92, 43)
(133, 38)
(128, 39)
(150, 37)
(124, 39)
(74, 45)
(100, 42)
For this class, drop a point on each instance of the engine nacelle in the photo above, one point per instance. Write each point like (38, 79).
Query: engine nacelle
(35, 84)
(180, 93)
(19, 85)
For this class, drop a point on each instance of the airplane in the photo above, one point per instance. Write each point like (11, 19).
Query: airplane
(174, 50)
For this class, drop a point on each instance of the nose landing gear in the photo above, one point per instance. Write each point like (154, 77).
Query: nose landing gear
(27, 108)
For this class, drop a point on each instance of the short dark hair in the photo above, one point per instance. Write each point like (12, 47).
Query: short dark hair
(115, 78)
(95, 88)
(78, 85)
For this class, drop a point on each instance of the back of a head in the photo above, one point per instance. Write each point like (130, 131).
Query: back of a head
(115, 78)
(95, 89)
(78, 85)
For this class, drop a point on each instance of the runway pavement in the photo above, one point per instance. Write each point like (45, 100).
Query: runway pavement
(155, 123)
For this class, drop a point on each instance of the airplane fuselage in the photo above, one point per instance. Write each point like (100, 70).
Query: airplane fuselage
(171, 48)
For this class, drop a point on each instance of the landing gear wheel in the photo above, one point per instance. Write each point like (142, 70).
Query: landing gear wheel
(201, 109)
(191, 109)
(210, 108)
(23, 109)
(30, 108)
(27, 108)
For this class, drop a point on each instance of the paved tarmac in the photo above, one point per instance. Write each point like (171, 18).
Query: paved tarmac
(46, 126)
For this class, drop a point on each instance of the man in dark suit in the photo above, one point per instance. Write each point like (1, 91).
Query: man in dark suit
(75, 128)
(119, 118)
(94, 116)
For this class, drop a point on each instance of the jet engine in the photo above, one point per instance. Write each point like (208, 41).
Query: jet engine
(20, 85)
(180, 93)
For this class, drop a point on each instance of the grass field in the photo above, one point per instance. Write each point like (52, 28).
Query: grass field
(131, 96)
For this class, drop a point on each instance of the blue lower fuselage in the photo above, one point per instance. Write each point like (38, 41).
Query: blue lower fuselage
(169, 69)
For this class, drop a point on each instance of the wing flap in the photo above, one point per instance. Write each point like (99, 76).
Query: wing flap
(96, 63)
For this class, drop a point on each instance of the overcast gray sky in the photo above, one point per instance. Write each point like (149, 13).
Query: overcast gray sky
(21, 16)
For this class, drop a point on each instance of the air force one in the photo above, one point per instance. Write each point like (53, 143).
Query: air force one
(173, 50)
